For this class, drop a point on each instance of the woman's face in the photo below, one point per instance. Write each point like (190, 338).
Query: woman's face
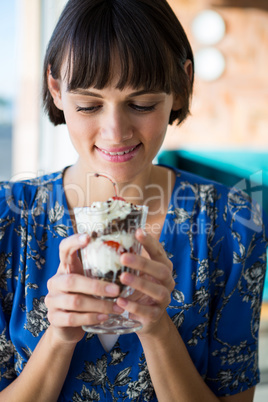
(117, 132)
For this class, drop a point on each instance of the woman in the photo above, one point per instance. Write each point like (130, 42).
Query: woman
(117, 72)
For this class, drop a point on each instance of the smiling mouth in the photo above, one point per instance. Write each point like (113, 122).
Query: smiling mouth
(118, 153)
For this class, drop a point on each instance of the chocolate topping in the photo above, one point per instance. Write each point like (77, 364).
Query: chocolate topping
(129, 224)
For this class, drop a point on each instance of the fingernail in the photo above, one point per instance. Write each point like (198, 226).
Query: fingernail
(112, 289)
(117, 309)
(83, 238)
(127, 258)
(127, 278)
(123, 302)
(102, 317)
(141, 232)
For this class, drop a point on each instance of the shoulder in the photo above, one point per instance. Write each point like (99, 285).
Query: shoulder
(199, 198)
(30, 185)
(15, 196)
(200, 186)
(232, 203)
(25, 206)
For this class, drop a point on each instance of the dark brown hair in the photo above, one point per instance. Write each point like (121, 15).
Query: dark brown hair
(150, 41)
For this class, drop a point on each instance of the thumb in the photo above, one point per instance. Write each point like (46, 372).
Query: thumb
(70, 253)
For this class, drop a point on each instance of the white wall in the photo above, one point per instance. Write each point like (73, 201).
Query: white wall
(56, 150)
(38, 147)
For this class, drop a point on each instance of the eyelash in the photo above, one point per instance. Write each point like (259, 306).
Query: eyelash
(140, 109)
(143, 108)
(91, 109)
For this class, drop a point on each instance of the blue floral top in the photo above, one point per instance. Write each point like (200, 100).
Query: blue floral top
(215, 238)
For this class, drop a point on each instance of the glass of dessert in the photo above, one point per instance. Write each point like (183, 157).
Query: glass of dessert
(111, 226)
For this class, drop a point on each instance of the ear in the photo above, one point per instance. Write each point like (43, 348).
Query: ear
(188, 68)
(54, 89)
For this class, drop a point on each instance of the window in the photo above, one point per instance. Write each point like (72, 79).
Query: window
(7, 85)
(29, 144)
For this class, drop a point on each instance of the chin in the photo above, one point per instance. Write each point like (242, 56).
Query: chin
(121, 174)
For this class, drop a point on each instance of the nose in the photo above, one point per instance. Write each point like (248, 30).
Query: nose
(116, 126)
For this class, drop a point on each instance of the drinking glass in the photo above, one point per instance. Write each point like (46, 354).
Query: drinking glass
(101, 257)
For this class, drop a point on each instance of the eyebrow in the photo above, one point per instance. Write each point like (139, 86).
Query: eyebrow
(81, 91)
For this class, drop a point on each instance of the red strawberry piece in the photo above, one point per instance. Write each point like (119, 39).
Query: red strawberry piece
(112, 244)
(118, 198)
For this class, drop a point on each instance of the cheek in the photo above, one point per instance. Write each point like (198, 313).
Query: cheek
(157, 127)
(76, 125)
(72, 118)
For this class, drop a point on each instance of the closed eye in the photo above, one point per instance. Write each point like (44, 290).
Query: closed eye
(141, 109)
(89, 109)
(137, 108)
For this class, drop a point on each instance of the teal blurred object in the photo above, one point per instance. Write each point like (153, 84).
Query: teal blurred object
(265, 290)
(245, 170)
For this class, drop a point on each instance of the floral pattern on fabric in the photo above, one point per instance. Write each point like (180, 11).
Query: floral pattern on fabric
(216, 240)
(96, 375)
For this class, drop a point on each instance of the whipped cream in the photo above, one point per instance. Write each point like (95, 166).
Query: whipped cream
(102, 258)
(108, 241)
(99, 214)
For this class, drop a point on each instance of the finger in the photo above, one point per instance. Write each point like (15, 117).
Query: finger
(158, 270)
(68, 250)
(156, 291)
(70, 319)
(143, 313)
(80, 304)
(153, 247)
(73, 283)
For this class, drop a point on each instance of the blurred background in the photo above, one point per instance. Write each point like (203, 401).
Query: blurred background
(225, 138)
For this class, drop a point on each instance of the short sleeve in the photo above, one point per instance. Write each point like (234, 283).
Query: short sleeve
(239, 262)
(7, 220)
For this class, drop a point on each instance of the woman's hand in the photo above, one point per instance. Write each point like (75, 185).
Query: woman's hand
(153, 286)
(70, 300)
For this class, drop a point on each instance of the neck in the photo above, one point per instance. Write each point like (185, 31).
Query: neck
(82, 187)
(153, 188)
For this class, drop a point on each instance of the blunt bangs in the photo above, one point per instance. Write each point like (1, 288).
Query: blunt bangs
(141, 59)
(133, 39)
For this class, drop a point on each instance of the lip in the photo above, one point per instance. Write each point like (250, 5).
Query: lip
(122, 154)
